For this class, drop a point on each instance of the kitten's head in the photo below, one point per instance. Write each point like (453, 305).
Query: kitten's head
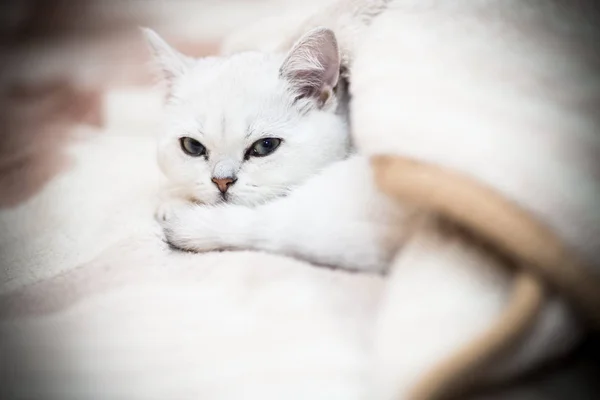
(247, 128)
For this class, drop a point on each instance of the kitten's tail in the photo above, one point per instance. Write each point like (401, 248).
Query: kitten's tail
(541, 256)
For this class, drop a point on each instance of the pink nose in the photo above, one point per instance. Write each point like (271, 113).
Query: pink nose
(223, 183)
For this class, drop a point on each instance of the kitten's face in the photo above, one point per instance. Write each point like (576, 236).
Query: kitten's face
(239, 130)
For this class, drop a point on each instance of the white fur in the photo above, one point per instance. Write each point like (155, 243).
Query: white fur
(499, 90)
(505, 93)
(227, 104)
(338, 218)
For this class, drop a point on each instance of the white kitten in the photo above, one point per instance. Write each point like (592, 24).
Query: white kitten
(243, 131)
(247, 128)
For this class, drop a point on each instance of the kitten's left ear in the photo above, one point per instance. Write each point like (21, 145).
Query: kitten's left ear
(172, 63)
(313, 65)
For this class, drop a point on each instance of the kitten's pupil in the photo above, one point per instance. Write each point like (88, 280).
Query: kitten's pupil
(192, 147)
(264, 147)
(267, 144)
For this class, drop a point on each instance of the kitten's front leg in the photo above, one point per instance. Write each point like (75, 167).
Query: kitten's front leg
(166, 209)
(337, 218)
(171, 197)
(199, 228)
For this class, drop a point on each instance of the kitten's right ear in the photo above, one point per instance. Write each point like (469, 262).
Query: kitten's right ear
(171, 63)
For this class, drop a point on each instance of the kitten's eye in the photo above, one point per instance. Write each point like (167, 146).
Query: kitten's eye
(192, 147)
(264, 147)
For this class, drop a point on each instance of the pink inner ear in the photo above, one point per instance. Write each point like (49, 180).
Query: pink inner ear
(331, 64)
(313, 64)
(308, 83)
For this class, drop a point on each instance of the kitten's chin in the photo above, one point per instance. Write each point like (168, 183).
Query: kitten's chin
(241, 201)
(228, 200)
(251, 201)
(247, 200)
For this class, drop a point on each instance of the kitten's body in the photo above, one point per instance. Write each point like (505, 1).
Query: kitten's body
(293, 201)
(336, 218)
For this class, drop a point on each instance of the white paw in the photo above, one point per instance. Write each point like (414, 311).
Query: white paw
(192, 227)
(166, 209)
(175, 218)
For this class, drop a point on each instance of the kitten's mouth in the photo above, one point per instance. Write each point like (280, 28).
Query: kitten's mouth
(224, 198)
